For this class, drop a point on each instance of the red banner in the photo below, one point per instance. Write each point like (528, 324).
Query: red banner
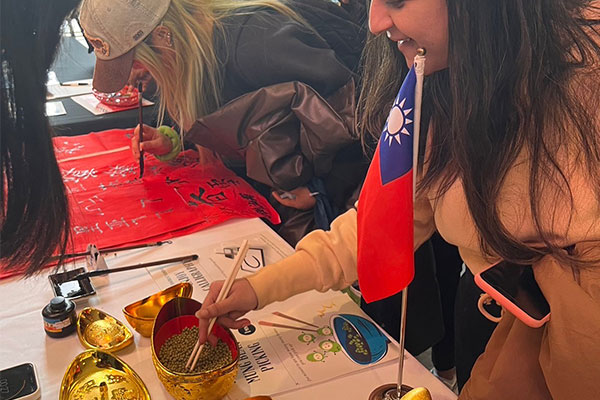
(111, 206)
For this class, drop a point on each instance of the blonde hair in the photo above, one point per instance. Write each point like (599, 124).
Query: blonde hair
(187, 74)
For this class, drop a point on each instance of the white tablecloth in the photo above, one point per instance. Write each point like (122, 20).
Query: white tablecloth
(23, 338)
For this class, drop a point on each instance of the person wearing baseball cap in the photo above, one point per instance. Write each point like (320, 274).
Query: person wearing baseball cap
(224, 68)
(114, 28)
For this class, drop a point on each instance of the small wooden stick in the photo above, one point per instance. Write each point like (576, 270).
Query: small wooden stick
(282, 315)
(274, 325)
(237, 263)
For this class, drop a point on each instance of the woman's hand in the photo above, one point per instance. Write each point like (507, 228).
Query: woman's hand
(154, 142)
(302, 199)
(241, 299)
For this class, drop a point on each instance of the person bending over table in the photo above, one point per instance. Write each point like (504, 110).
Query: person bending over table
(511, 171)
(34, 220)
(267, 84)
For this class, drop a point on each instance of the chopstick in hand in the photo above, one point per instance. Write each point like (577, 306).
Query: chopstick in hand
(237, 263)
(141, 132)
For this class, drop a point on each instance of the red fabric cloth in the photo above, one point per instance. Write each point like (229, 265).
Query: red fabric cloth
(112, 207)
(385, 206)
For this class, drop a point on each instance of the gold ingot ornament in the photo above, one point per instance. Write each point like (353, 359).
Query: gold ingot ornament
(419, 393)
(96, 375)
(142, 313)
(99, 330)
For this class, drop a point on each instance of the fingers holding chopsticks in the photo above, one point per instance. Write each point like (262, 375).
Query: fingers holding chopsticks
(241, 299)
(223, 294)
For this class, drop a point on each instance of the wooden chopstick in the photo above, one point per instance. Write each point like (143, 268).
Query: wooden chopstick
(282, 315)
(274, 325)
(237, 263)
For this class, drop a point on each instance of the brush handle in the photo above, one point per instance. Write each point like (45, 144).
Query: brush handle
(111, 249)
(138, 266)
(141, 132)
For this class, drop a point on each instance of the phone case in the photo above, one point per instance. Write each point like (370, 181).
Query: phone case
(508, 304)
(35, 395)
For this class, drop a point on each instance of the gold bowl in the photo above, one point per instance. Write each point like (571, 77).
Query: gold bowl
(141, 314)
(172, 318)
(99, 330)
(95, 374)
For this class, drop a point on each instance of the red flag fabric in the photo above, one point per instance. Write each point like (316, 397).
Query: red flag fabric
(112, 207)
(385, 205)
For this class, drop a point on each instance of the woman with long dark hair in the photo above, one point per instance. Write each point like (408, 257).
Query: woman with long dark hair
(35, 219)
(508, 170)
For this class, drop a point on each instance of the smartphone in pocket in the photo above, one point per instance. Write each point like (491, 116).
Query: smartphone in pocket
(19, 383)
(513, 286)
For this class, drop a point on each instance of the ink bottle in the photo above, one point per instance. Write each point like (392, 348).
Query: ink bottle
(59, 317)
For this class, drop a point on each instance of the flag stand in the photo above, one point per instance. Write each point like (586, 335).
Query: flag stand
(397, 391)
(394, 391)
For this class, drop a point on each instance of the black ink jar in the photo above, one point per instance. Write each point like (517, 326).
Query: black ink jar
(59, 317)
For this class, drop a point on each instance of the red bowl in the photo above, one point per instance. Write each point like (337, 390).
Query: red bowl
(126, 97)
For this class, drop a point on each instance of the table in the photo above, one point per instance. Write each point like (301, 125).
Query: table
(73, 62)
(23, 338)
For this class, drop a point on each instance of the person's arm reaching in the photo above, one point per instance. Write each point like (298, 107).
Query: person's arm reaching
(322, 261)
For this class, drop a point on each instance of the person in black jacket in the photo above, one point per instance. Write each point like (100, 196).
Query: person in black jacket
(267, 84)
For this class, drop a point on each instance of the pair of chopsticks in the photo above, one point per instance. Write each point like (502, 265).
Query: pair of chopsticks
(282, 315)
(237, 263)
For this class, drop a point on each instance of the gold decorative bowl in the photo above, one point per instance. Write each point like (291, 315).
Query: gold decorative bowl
(99, 330)
(95, 374)
(141, 314)
(177, 314)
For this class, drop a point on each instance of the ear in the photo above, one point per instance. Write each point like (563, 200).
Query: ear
(161, 37)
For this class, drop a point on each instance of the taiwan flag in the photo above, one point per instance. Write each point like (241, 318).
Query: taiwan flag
(385, 205)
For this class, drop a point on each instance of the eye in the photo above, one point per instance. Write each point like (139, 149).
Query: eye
(395, 3)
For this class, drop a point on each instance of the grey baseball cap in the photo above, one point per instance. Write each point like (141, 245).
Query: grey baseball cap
(115, 28)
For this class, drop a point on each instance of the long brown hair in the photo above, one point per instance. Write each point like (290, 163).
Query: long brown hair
(507, 89)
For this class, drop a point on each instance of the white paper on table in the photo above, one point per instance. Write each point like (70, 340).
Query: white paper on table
(212, 264)
(54, 108)
(276, 360)
(52, 79)
(58, 91)
(93, 105)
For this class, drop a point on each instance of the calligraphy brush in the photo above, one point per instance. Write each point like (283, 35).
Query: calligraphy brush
(141, 132)
(110, 250)
(84, 275)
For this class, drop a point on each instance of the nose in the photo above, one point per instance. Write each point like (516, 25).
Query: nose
(379, 18)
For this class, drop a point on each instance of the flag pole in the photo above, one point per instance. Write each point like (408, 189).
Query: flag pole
(419, 72)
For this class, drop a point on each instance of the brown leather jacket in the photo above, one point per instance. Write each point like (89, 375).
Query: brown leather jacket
(284, 133)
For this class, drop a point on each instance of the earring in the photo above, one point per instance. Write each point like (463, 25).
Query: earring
(169, 39)
(388, 34)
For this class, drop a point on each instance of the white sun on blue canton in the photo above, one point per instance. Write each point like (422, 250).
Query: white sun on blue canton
(397, 122)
